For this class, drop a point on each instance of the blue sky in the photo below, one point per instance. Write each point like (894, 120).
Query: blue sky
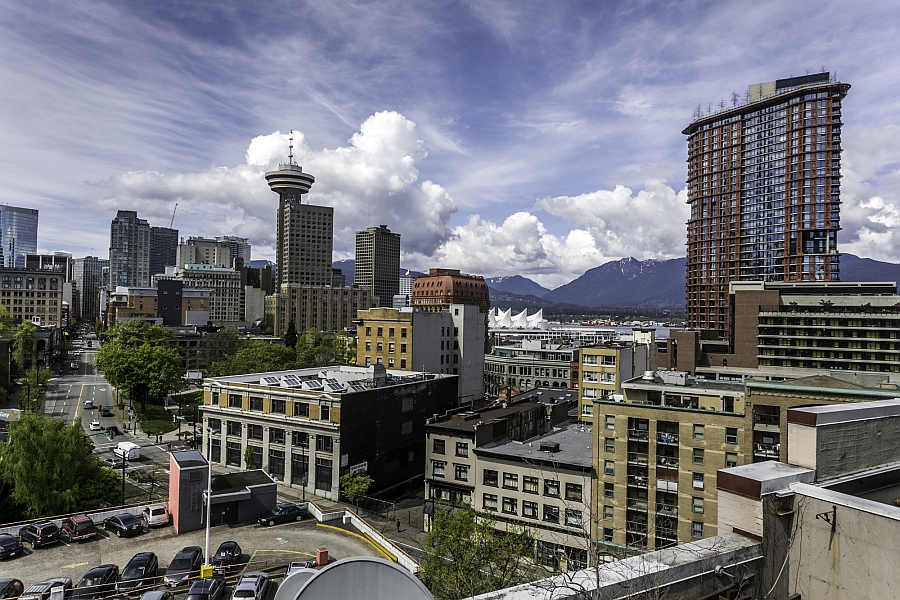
(540, 138)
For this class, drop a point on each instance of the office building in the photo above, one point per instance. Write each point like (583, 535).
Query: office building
(308, 427)
(58, 262)
(323, 308)
(408, 339)
(224, 285)
(18, 234)
(33, 295)
(239, 248)
(439, 288)
(406, 282)
(203, 251)
(170, 303)
(129, 250)
(517, 367)
(378, 262)
(764, 191)
(163, 249)
(88, 275)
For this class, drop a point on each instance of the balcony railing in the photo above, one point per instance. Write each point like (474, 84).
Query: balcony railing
(767, 419)
(637, 481)
(767, 450)
(636, 527)
(668, 462)
(666, 533)
(639, 434)
(663, 485)
(667, 438)
(637, 504)
(638, 458)
(667, 510)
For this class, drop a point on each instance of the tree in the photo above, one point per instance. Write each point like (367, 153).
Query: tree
(356, 486)
(25, 346)
(290, 336)
(34, 388)
(255, 357)
(142, 371)
(466, 556)
(218, 346)
(248, 457)
(317, 350)
(52, 467)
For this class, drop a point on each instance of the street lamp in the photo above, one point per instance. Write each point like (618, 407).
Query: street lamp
(207, 568)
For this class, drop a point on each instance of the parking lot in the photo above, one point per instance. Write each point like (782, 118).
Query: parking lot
(264, 547)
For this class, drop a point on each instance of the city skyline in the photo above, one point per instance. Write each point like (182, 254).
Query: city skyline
(494, 140)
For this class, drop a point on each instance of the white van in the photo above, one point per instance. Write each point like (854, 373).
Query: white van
(127, 451)
(156, 515)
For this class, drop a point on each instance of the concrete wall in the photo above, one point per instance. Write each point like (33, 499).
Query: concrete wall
(856, 445)
(741, 512)
(802, 449)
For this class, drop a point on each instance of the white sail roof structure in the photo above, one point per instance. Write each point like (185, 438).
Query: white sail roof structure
(498, 319)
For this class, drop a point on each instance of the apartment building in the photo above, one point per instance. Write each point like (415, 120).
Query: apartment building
(378, 262)
(224, 285)
(129, 250)
(511, 369)
(170, 303)
(604, 367)
(657, 451)
(323, 308)
(408, 339)
(307, 427)
(33, 295)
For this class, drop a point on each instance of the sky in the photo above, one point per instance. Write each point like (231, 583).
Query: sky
(497, 137)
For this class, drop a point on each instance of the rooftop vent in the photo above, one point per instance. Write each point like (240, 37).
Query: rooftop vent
(549, 446)
(648, 376)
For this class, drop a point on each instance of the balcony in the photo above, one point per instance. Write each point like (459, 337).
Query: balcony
(665, 533)
(667, 510)
(667, 438)
(638, 481)
(666, 486)
(639, 527)
(641, 435)
(767, 451)
(637, 504)
(638, 458)
(667, 462)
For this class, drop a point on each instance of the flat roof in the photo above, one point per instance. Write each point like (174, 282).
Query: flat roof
(574, 447)
(344, 375)
(229, 483)
(466, 421)
(189, 458)
(757, 479)
(547, 395)
(842, 413)
(690, 383)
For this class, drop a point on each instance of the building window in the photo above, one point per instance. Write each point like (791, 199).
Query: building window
(403, 363)
(529, 509)
(380, 332)
(301, 409)
(300, 439)
(256, 403)
(276, 436)
(573, 491)
(437, 468)
(390, 332)
(254, 432)
(607, 534)
(573, 517)
(379, 347)
(699, 432)
(510, 481)
(368, 331)
(697, 456)
(551, 488)
(278, 407)
(324, 443)
(697, 529)
(587, 410)
(509, 505)
(731, 459)
(462, 449)
(530, 484)
(490, 502)
(234, 401)
(462, 472)
(276, 464)
(697, 505)
(324, 412)
(609, 490)
(299, 469)
(233, 428)
(323, 474)
(551, 514)
(609, 467)
(698, 481)
(731, 435)
(403, 332)
(490, 478)
(233, 454)
(607, 512)
(255, 457)
(610, 421)
(391, 347)
(609, 445)
(215, 425)
(215, 451)
(368, 346)
(439, 446)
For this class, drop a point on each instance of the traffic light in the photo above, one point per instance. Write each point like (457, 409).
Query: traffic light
(174, 418)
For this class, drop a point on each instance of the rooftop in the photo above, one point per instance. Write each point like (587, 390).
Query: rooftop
(236, 482)
(683, 380)
(336, 379)
(767, 477)
(574, 447)
(841, 413)
(467, 421)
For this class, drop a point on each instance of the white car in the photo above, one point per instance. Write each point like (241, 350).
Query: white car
(156, 515)
(95, 426)
(89, 404)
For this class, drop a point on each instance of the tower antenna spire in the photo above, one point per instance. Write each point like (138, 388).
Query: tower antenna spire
(291, 148)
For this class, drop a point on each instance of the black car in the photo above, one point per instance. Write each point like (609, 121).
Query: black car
(282, 514)
(97, 583)
(184, 566)
(139, 573)
(227, 558)
(40, 534)
(41, 590)
(123, 525)
(112, 428)
(212, 588)
(9, 546)
(10, 588)
(105, 412)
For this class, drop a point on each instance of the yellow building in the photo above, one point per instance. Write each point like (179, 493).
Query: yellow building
(603, 368)
(323, 308)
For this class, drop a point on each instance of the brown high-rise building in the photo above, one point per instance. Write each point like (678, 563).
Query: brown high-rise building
(378, 262)
(764, 190)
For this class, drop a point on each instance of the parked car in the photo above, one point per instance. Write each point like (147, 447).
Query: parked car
(158, 595)
(282, 514)
(78, 527)
(9, 546)
(212, 588)
(41, 590)
(299, 566)
(114, 462)
(40, 534)
(99, 582)
(227, 558)
(185, 565)
(251, 586)
(10, 588)
(95, 426)
(139, 573)
(156, 515)
(123, 525)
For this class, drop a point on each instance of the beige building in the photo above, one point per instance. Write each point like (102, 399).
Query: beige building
(511, 369)
(203, 251)
(378, 262)
(33, 295)
(126, 303)
(224, 287)
(604, 367)
(657, 452)
(324, 308)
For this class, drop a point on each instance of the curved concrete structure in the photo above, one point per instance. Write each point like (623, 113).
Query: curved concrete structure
(363, 577)
(290, 178)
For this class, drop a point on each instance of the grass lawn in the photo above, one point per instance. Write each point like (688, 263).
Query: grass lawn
(158, 420)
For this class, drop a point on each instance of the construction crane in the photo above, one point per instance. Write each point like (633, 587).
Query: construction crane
(173, 216)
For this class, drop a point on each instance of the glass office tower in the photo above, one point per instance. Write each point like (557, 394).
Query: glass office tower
(18, 234)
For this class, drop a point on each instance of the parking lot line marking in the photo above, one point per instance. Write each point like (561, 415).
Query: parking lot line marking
(364, 538)
(73, 565)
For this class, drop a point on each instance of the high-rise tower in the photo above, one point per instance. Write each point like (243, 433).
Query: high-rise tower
(129, 250)
(304, 234)
(378, 262)
(18, 234)
(163, 247)
(764, 190)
